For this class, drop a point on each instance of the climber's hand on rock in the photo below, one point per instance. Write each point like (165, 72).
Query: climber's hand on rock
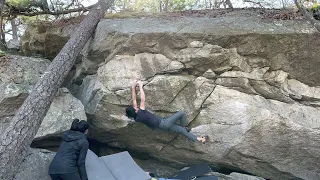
(140, 83)
(134, 83)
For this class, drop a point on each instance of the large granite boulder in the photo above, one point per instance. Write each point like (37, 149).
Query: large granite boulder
(254, 116)
(64, 108)
(46, 38)
(58, 119)
(21, 69)
(247, 83)
(277, 44)
(258, 134)
(35, 165)
(18, 75)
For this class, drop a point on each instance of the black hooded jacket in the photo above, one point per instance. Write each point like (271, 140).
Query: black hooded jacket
(71, 155)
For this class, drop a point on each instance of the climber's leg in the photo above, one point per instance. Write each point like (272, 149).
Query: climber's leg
(182, 130)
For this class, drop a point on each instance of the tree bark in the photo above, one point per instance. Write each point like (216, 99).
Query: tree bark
(14, 29)
(3, 44)
(229, 3)
(166, 3)
(1, 6)
(16, 139)
(304, 12)
(3, 35)
(160, 6)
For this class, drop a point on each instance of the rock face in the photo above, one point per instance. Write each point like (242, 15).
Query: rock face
(62, 111)
(252, 87)
(35, 165)
(277, 44)
(257, 130)
(236, 176)
(18, 75)
(257, 119)
(21, 70)
(60, 115)
(13, 44)
(45, 38)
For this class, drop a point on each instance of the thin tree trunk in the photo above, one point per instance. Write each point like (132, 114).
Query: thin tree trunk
(303, 11)
(195, 4)
(283, 4)
(166, 3)
(16, 139)
(228, 2)
(3, 35)
(215, 4)
(3, 45)
(14, 29)
(1, 6)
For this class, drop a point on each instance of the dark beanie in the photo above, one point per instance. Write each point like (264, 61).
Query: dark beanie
(80, 126)
(83, 126)
(131, 112)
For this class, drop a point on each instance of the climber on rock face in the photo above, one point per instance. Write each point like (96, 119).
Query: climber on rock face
(139, 114)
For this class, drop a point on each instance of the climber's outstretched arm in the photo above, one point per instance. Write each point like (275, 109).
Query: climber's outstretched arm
(142, 95)
(134, 96)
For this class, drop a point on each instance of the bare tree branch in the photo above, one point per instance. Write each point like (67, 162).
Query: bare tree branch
(26, 13)
(304, 12)
(256, 3)
(52, 5)
(69, 4)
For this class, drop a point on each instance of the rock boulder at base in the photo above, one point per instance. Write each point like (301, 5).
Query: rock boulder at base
(18, 75)
(35, 165)
(63, 110)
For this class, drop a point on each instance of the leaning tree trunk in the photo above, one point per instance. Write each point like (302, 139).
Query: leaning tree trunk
(16, 139)
(304, 12)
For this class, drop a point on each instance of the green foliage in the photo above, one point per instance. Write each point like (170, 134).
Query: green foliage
(146, 5)
(19, 3)
(27, 19)
(179, 5)
(2, 53)
(153, 5)
(315, 7)
(123, 15)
